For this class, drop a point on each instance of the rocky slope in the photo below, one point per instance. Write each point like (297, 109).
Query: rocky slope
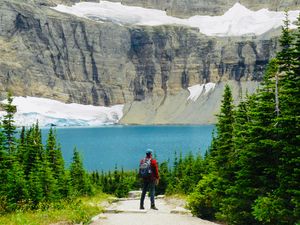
(50, 54)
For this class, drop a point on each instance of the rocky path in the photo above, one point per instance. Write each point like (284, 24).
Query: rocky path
(126, 212)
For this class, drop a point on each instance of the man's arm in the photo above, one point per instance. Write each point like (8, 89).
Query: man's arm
(155, 168)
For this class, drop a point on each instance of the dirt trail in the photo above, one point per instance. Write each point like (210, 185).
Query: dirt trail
(126, 212)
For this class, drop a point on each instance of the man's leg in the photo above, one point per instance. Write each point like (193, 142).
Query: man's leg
(152, 194)
(145, 187)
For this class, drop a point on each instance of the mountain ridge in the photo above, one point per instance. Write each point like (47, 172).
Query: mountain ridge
(54, 55)
(187, 8)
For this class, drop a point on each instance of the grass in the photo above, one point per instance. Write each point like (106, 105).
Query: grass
(77, 211)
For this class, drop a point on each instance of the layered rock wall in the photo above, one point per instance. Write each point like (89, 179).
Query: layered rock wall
(48, 54)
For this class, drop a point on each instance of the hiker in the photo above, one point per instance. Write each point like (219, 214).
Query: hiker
(150, 177)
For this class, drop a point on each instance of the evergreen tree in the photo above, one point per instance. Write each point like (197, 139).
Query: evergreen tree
(3, 172)
(8, 126)
(164, 178)
(13, 182)
(199, 168)
(21, 148)
(79, 179)
(187, 180)
(55, 160)
(224, 140)
(37, 141)
(256, 154)
(288, 127)
(36, 191)
(34, 150)
(16, 191)
(48, 181)
(285, 56)
(54, 154)
(220, 175)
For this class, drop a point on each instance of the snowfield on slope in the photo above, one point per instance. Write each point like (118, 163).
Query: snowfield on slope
(51, 112)
(199, 89)
(237, 21)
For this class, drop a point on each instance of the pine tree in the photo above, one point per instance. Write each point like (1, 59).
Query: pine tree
(36, 191)
(16, 189)
(48, 181)
(285, 56)
(199, 168)
(164, 178)
(79, 179)
(33, 149)
(54, 154)
(21, 148)
(55, 160)
(288, 127)
(13, 179)
(187, 181)
(256, 152)
(224, 139)
(8, 126)
(37, 141)
(3, 160)
(210, 191)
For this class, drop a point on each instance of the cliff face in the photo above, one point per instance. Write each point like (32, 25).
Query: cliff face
(48, 54)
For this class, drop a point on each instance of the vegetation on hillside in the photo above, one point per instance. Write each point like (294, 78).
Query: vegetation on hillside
(253, 175)
(36, 188)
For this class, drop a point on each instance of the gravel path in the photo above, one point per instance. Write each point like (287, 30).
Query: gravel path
(127, 213)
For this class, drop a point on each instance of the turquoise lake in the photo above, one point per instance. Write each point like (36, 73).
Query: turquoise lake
(102, 148)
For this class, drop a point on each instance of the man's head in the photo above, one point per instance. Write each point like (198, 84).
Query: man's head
(149, 152)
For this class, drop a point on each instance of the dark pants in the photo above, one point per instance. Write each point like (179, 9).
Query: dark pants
(148, 184)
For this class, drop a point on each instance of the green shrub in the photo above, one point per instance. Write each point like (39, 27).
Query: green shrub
(203, 201)
(270, 210)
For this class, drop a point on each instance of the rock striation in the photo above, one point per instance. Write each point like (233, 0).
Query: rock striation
(54, 55)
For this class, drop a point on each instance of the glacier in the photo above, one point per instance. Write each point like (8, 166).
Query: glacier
(48, 112)
(237, 21)
(54, 113)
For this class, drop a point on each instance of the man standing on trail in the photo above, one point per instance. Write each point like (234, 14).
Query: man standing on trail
(150, 177)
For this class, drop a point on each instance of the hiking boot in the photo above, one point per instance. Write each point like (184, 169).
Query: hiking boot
(153, 207)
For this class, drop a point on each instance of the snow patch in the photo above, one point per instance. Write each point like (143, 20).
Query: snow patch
(199, 89)
(51, 112)
(237, 21)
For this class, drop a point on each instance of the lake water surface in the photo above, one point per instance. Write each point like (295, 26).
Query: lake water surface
(104, 147)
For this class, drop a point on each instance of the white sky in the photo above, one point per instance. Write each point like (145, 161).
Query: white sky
(237, 21)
